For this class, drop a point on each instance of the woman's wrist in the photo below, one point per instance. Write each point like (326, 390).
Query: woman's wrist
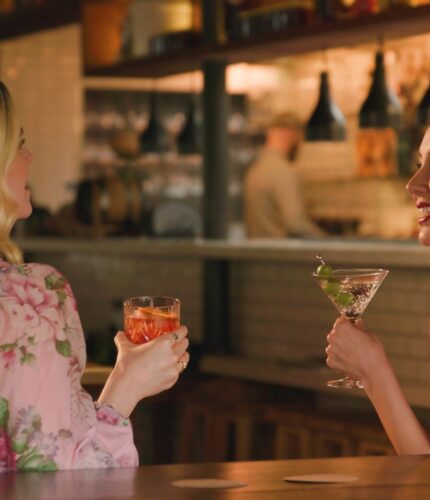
(377, 370)
(116, 393)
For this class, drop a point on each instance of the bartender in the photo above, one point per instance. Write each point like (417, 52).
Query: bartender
(274, 205)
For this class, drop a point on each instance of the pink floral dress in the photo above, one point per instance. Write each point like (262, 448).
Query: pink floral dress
(47, 420)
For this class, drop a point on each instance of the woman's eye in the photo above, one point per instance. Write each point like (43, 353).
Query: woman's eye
(418, 165)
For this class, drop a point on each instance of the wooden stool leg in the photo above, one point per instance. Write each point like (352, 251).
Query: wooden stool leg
(185, 453)
(220, 437)
(291, 442)
(196, 439)
(280, 442)
(243, 441)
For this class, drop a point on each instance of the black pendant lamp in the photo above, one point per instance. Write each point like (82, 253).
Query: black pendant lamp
(188, 139)
(423, 111)
(381, 108)
(151, 139)
(326, 122)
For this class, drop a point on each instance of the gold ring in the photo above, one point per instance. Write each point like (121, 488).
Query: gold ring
(182, 365)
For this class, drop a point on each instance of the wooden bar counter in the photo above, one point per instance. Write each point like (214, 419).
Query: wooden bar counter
(378, 478)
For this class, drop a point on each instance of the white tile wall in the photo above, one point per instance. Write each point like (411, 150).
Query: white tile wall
(43, 72)
(281, 314)
(100, 280)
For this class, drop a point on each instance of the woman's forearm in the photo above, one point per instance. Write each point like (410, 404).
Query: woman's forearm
(400, 423)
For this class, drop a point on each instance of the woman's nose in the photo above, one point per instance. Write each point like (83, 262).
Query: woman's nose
(419, 183)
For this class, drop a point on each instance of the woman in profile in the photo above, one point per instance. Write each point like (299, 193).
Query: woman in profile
(47, 420)
(358, 353)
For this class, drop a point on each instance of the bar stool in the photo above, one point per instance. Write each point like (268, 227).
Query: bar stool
(219, 419)
(292, 437)
(226, 419)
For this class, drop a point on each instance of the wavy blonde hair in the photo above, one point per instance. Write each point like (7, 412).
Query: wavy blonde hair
(9, 144)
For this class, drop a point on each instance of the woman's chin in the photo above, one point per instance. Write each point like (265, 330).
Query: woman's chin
(424, 236)
(26, 211)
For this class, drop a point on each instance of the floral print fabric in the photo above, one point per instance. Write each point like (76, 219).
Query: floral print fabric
(47, 420)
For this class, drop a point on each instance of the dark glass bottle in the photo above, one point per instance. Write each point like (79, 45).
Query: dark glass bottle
(151, 140)
(326, 122)
(381, 108)
(188, 140)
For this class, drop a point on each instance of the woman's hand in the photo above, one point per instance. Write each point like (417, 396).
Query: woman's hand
(144, 370)
(353, 350)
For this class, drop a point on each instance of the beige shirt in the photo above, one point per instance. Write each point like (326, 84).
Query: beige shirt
(273, 199)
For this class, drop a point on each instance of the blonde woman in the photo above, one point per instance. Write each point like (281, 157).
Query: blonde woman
(358, 352)
(47, 421)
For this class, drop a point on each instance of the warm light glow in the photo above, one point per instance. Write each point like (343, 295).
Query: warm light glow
(243, 78)
(252, 79)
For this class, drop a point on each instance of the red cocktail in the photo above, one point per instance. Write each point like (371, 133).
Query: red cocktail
(146, 318)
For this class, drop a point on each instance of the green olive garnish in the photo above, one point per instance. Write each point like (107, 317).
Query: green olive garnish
(344, 299)
(331, 288)
(324, 270)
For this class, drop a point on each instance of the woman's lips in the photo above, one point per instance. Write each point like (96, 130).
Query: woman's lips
(425, 210)
(424, 219)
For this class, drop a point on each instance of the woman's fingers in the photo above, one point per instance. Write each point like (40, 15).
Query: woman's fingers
(178, 334)
(359, 324)
(183, 362)
(180, 347)
(120, 339)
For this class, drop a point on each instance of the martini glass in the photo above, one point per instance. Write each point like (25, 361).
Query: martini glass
(350, 291)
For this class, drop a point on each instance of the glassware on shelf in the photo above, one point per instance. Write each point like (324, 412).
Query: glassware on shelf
(249, 18)
(328, 10)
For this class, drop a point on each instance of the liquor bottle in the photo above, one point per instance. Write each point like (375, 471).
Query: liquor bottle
(328, 10)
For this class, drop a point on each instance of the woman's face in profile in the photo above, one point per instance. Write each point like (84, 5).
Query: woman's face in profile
(419, 187)
(17, 179)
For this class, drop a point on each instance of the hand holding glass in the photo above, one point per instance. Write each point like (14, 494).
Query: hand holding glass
(350, 291)
(146, 318)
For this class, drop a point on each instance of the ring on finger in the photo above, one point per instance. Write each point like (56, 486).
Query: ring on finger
(175, 336)
(182, 365)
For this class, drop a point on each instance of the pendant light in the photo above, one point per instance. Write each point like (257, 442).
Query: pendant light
(326, 122)
(423, 110)
(151, 139)
(188, 139)
(381, 108)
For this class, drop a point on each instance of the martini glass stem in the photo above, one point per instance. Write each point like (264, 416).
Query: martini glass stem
(346, 382)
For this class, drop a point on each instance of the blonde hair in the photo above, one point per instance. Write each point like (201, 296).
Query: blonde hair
(9, 144)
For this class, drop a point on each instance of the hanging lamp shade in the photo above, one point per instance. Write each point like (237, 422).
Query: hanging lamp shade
(151, 139)
(188, 139)
(381, 108)
(423, 111)
(326, 122)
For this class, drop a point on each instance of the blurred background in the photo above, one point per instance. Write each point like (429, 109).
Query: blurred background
(88, 91)
(145, 117)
